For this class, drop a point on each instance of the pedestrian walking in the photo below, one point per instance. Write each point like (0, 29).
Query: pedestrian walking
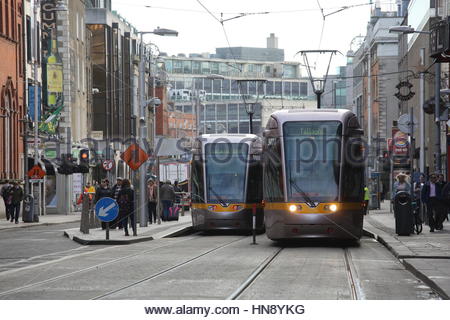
(115, 195)
(103, 191)
(432, 197)
(167, 195)
(401, 184)
(126, 206)
(418, 186)
(7, 199)
(152, 199)
(16, 196)
(366, 199)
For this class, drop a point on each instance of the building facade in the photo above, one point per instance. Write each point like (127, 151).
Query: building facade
(222, 88)
(12, 103)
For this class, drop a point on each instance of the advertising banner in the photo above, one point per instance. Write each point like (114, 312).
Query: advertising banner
(400, 144)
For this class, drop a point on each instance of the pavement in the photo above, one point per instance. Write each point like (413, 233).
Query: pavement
(426, 255)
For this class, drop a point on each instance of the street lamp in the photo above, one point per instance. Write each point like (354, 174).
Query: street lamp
(143, 125)
(250, 109)
(437, 83)
(406, 30)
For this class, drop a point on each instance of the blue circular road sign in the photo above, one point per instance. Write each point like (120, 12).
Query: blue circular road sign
(106, 209)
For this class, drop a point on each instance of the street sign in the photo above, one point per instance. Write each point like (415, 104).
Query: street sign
(106, 209)
(108, 164)
(134, 156)
(36, 173)
(404, 123)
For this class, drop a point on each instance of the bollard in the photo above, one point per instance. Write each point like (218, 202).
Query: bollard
(254, 223)
(84, 223)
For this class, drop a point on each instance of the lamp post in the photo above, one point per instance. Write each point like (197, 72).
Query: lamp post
(250, 109)
(409, 30)
(143, 122)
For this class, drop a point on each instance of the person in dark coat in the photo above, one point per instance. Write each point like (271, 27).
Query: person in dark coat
(167, 196)
(126, 206)
(115, 195)
(16, 196)
(102, 192)
(152, 200)
(7, 199)
(432, 197)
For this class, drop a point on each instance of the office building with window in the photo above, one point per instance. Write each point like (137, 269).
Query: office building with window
(216, 87)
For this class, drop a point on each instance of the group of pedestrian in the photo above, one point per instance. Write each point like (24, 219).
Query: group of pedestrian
(123, 193)
(12, 194)
(169, 195)
(432, 195)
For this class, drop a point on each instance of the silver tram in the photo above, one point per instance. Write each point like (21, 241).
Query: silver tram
(226, 182)
(313, 175)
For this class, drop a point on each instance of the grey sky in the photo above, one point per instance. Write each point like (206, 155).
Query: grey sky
(297, 24)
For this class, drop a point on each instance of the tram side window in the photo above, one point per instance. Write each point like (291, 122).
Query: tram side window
(353, 171)
(197, 182)
(273, 176)
(254, 184)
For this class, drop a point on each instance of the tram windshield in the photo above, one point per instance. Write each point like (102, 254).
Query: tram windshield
(226, 167)
(312, 155)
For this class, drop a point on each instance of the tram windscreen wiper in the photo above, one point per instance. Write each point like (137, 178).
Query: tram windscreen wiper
(308, 200)
(222, 202)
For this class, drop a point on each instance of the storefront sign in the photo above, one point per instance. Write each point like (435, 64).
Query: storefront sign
(400, 142)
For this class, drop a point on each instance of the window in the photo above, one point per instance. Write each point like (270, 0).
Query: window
(232, 127)
(269, 88)
(244, 127)
(303, 88)
(278, 85)
(295, 89)
(187, 66)
(289, 71)
(205, 67)
(211, 112)
(221, 112)
(187, 108)
(232, 112)
(287, 88)
(273, 184)
(196, 67)
(214, 67)
(177, 66)
(29, 39)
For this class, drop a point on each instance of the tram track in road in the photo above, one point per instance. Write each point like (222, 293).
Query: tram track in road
(352, 276)
(259, 270)
(167, 270)
(81, 271)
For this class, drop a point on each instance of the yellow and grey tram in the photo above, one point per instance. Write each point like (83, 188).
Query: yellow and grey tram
(226, 182)
(313, 175)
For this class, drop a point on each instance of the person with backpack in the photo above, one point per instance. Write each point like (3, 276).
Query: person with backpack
(126, 206)
(6, 199)
(167, 196)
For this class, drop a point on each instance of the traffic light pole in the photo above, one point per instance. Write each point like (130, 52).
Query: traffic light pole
(142, 135)
(36, 186)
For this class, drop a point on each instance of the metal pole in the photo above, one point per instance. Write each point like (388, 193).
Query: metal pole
(251, 122)
(411, 149)
(142, 134)
(437, 100)
(422, 123)
(37, 5)
(318, 94)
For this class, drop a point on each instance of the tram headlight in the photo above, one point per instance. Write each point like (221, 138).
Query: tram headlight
(294, 208)
(333, 207)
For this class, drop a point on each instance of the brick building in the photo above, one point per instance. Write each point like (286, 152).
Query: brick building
(11, 89)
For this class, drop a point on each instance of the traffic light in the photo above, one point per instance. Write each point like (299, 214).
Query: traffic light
(66, 165)
(83, 166)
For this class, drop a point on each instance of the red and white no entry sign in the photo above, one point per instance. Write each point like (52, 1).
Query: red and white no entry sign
(108, 164)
